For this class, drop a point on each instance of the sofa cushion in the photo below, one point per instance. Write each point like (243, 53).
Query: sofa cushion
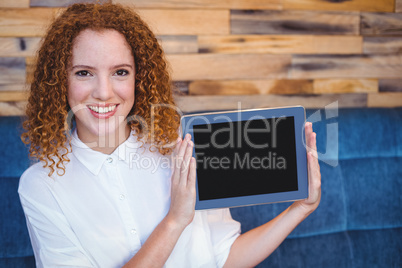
(372, 189)
(14, 238)
(361, 133)
(358, 249)
(19, 262)
(14, 154)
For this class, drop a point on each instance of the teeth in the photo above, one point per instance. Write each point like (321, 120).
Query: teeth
(102, 110)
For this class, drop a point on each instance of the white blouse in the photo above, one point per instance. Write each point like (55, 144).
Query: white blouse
(100, 212)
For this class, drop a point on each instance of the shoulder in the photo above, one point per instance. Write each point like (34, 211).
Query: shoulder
(35, 178)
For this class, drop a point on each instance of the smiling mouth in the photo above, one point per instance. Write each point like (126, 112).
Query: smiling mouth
(102, 110)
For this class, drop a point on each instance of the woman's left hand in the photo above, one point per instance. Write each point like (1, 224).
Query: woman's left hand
(252, 247)
(314, 175)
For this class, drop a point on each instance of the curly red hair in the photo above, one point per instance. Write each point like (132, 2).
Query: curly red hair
(48, 109)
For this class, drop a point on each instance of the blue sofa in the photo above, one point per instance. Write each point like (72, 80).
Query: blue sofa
(359, 220)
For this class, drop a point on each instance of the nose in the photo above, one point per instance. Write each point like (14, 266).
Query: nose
(103, 90)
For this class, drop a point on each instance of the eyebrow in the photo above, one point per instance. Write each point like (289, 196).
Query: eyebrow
(81, 66)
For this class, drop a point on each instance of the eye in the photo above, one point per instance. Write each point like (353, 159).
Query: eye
(83, 73)
(121, 72)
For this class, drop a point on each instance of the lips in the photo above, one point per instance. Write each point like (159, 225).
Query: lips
(102, 111)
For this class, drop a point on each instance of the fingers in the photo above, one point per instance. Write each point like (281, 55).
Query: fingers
(183, 154)
(313, 165)
(175, 162)
(308, 128)
(192, 174)
(310, 168)
(177, 146)
(188, 153)
(311, 142)
(182, 147)
(310, 138)
(314, 177)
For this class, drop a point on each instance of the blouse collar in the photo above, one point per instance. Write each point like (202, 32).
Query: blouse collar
(94, 160)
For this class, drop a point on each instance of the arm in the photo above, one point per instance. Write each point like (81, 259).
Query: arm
(252, 247)
(161, 242)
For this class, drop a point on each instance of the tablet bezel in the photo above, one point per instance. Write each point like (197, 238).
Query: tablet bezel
(297, 112)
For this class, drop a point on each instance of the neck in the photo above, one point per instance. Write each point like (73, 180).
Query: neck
(107, 144)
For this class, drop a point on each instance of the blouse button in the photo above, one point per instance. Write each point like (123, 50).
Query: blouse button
(121, 197)
(133, 231)
(109, 160)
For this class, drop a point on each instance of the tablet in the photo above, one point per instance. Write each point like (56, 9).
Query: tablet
(248, 157)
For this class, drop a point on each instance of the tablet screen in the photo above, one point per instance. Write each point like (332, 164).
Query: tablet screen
(245, 158)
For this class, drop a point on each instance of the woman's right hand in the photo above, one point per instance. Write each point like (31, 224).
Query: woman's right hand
(182, 204)
(159, 245)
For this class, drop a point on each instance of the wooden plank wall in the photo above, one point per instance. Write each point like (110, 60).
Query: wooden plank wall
(262, 53)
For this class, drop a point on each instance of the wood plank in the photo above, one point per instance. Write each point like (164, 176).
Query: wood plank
(331, 86)
(390, 85)
(294, 22)
(228, 66)
(19, 47)
(6, 96)
(14, 4)
(186, 21)
(14, 87)
(280, 44)
(346, 66)
(180, 87)
(379, 45)
(386, 99)
(12, 70)
(381, 24)
(354, 5)
(179, 44)
(398, 6)
(25, 22)
(12, 108)
(228, 4)
(62, 3)
(213, 103)
(30, 68)
(33, 21)
(250, 87)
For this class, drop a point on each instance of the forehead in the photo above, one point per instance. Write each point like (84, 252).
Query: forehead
(101, 46)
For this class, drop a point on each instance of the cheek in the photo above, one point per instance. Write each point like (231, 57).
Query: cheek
(131, 96)
(76, 93)
(128, 93)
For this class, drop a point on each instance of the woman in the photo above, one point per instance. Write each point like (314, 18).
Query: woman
(88, 203)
